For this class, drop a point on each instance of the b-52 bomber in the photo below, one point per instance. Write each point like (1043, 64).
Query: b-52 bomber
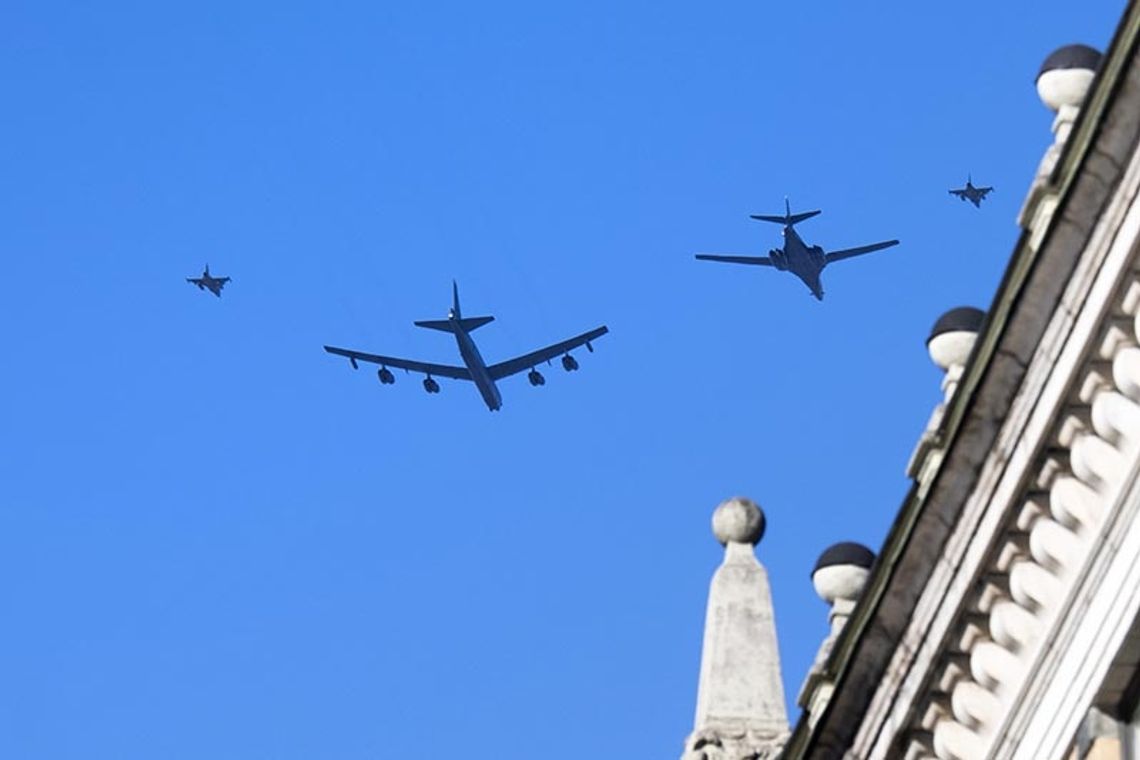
(803, 260)
(206, 282)
(474, 368)
(972, 194)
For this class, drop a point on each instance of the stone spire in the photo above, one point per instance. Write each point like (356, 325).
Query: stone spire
(740, 701)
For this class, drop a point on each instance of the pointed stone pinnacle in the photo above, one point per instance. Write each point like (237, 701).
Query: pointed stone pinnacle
(740, 700)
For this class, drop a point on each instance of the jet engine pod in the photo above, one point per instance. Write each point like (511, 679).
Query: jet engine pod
(385, 375)
(535, 377)
(779, 260)
(569, 363)
(430, 385)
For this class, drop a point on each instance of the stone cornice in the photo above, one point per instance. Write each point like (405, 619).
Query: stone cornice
(1029, 532)
(960, 578)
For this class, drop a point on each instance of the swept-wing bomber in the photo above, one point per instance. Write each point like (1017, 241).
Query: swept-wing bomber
(206, 282)
(803, 260)
(474, 368)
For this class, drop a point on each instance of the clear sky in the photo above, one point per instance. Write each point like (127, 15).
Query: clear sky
(217, 541)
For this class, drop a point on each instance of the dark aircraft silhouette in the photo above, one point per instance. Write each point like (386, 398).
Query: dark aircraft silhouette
(474, 368)
(972, 194)
(206, 282)
(803, 260)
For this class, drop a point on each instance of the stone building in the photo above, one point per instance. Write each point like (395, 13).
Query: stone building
(1001, 617)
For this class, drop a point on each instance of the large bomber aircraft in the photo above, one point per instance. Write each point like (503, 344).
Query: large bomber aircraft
(797, 257)
(474, 368)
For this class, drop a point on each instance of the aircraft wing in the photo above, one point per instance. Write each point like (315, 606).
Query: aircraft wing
(195, 281)
(959, 193)
(440, 370)
(763, 261)
(527, 361)
(847, 253)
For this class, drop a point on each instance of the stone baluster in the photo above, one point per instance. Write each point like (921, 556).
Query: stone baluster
(838, 578)
(954, 741)
(1062, 84)
(950, 343)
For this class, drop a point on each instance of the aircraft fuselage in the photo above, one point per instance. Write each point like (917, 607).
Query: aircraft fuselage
(476, 366)
(206, 282)
(973, 195)
(803, 260)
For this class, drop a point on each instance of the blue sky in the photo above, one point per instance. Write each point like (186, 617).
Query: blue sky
(218, 541)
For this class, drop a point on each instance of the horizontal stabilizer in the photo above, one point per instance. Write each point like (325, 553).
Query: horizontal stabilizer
(447, 325)
(788, 219)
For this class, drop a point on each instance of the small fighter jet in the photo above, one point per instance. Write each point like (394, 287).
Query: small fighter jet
(972, 194)
(803, 260)
(206, 282)
(474, 368)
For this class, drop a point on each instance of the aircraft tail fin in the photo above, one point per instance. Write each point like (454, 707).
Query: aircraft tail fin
(788, 219)
(447, 325)
(455, 317)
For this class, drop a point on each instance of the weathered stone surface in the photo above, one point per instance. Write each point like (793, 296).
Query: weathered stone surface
(740, 700)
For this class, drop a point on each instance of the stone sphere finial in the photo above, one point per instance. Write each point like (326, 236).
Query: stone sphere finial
(953, 335)
(738, 521)
(841, 571)
(1065, 76)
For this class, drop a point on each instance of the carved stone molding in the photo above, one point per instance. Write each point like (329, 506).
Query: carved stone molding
(1033, 559)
